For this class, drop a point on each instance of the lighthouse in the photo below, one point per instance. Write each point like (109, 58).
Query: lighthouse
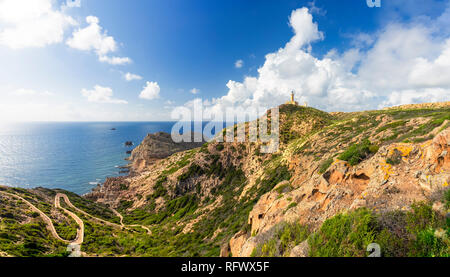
(292, 102)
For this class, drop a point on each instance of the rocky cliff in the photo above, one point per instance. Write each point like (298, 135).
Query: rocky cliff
(227, 198)
(155, 147)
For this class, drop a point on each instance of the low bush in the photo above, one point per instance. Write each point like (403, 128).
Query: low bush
(280, 240)
(358, 152)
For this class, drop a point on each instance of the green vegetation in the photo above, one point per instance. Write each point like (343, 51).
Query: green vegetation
(95, 209)
(292, 115)
(400, 234)
(159, 189)
(220, 147)
(67, 229)
(345, 235)
(292, 205)
(284, 188)
(279, 241)
(392, 125)
(325, 165)
(123, 186)
(394, 161)
(184, 161)
(193, 170)
(25, 237)
(358, 152)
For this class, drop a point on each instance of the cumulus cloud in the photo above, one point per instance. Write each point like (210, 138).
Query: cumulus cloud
(93, 38)
(401, 63)
(195, 91)
(131, 77)
(36, 23)
(150, 91)
(101, 95)
(239, 64)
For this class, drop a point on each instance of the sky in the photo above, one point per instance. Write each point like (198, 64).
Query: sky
(116, 60)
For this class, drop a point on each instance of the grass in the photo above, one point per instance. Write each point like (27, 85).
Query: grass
(345, 235)
(392, 125)
(279, 241)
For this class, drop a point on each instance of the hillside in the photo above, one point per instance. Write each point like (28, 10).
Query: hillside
(338, 183)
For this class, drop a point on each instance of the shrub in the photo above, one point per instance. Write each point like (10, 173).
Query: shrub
(280, 240)
(159, 189)
(220, 147)
(447, 198)
(392, 125)
(325, 165)
(123, 186)
(284, 188)
(194, 170)
(358, 152)
(292, 205)
(345, 235)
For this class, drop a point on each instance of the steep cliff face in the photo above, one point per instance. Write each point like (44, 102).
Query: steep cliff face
(225, 198)
(155, 147)
(421, 170)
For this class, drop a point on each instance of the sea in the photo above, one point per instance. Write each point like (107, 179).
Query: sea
(73, 156)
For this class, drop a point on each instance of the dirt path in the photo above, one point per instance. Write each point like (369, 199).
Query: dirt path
(80, 231)
(44, 217)
(135, 225)
(87, 214)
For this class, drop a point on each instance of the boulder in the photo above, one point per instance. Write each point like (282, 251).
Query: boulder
(301, 250)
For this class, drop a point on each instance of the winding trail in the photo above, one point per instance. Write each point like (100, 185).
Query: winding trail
(80, 231)
(66, 199)
(134, 225)
(48, 221)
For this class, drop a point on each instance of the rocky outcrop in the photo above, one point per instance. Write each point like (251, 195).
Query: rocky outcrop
(423, 168)
(300, 251)
(109, 191)
(155, 147)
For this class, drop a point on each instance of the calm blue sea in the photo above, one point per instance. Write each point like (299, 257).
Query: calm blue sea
(71, 156)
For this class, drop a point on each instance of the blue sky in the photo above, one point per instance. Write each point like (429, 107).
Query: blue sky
(185, 51)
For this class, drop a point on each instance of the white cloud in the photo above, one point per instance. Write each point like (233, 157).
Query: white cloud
(195, 91)
(130, 77)
(401, 63)
(36, 23)
(93, 38)
(71, 4)
(150, 91)
(101, 95)
(239, 64)
(115, 60)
